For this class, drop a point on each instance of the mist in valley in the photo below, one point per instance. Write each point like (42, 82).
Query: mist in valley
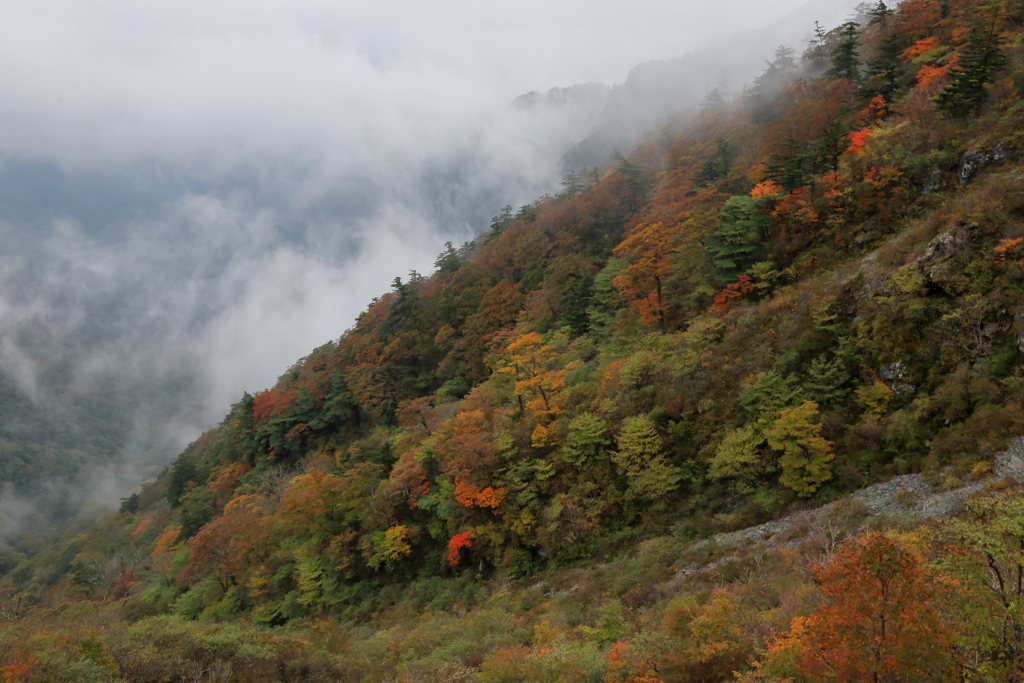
(193, 196)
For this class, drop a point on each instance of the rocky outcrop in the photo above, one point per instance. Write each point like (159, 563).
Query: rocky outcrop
(1018, 329)
(907, 495)
(976, 160)
(944, 256)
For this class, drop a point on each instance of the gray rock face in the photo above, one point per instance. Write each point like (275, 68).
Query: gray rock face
(934, 183)
(978, 159)
(905, 495)
(944, 256)
(894, 376)
(1018, 329)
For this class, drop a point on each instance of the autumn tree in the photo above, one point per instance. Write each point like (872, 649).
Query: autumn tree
(984, 551)
(648, 248)
(881, 622)
(641, 459)
(222, 548)
(805, 453)
(541, 388)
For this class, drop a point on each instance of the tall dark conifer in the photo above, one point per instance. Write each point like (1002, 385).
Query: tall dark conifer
(884, 69)
(879, 14)
(979, 59)
(833, 144)
(845, 57)
(766, 87)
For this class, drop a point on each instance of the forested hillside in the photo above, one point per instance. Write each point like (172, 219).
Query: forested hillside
(499, 472)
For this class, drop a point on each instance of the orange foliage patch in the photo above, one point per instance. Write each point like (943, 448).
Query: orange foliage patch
(621, 670)
(858, 139)
(927, 75)
(410, 475)
(921, 47)
(166, 543)
(767, 188)
(142, 525)
(1004, 250)
(882, 621)
(456, 544)
(21, 669)
(731, 294)
(472, 496)
(874, 112)
(227, 479)
(274, 403)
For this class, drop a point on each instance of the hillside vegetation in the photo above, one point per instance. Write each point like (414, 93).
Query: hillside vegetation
(501, 471)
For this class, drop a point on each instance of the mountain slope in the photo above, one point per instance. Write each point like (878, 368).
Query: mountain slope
(812, 289)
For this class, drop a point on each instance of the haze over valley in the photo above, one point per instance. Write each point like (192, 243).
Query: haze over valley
(193, 196)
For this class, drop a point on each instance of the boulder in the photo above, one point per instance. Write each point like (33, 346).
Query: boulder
(976, 160)
(944, 256)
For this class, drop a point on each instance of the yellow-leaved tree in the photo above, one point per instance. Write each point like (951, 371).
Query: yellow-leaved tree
(805, 453)
(540, 388)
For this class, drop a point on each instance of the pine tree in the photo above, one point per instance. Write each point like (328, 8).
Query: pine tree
(717, 166)
(790, 168)
(725, 154)
(833, 144)
(499, 222)
(815, 55)
(879, 14)
(572, 184)
(736, 245)
(708, 172)
(714, 101)
(845, 60)
(884, 69)
(980, 58)
(766, 87)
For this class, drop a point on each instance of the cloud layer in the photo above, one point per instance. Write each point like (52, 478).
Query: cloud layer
(193, 195)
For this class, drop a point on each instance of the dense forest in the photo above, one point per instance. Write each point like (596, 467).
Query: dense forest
(515, 468)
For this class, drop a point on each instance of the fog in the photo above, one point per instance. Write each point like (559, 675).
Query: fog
(194, 195)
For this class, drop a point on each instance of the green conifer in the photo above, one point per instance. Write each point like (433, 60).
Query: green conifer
(845, 60)
(980, 58)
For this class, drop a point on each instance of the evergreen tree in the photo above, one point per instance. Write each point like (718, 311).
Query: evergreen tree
(766, 87)
(845, 60)
(527, 213)
(575, 315)
(716, 167)
(833, 144)
(884, 69)
(708, 172)
(499, 222)
(980, 58)
(879, 14)
(790, 168)
(640, 458)
(713, 101)
(826, 380)
(737, 244)
(572, 184)
(604, 300)
(725, 154)
(815, 55)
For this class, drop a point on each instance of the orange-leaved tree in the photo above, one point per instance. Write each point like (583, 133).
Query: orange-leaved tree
(881, 622)
(528, 360)
(649, 248)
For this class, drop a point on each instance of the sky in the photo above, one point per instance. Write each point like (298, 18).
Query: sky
(195, 195)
